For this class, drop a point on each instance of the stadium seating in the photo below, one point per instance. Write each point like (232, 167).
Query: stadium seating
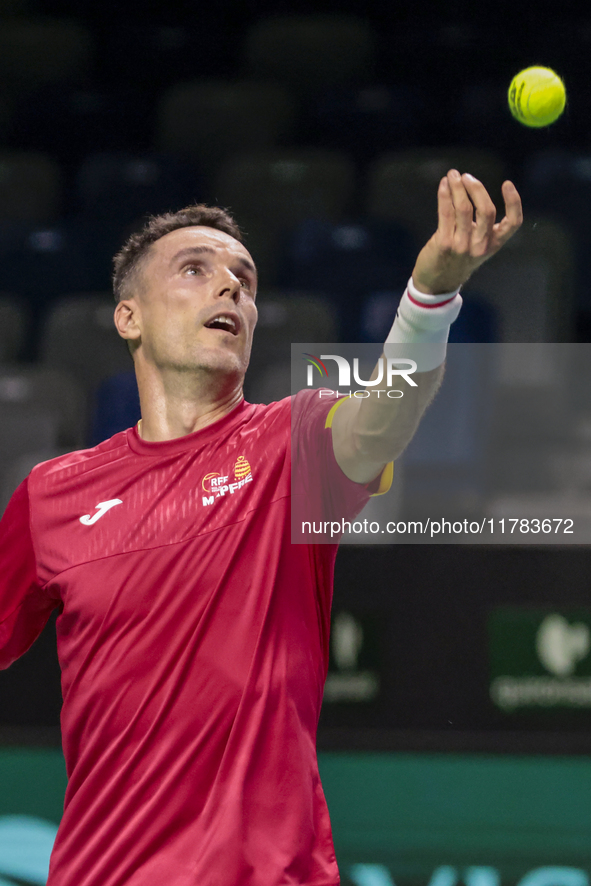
(483, 116)
(14, 7)
(211, 119)
(531, 284)
(365, 120)
(152, 54)
(41, 261)
(311, 51)
(283, 187)
(70, 122)
(50, 391)
(14, 321)
(16, 469)
(445, 462)
(116, 407)
(6, 117)
(25, 428)
(270, 192)
(557, 183)
(483, 120)
(80, 338)
(347, 261)
(478, 320)
(285, 317)
(402, 186)
(30, 187)
(41, 50)
(271, 384)
(120, 187)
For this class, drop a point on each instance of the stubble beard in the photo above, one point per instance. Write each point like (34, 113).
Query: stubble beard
(214, 367)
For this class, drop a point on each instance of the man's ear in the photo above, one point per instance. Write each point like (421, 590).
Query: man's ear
(126, 319)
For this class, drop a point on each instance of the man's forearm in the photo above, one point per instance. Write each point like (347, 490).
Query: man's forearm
(384, 426)
(376, 429)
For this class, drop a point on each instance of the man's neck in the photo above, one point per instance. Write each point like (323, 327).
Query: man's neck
(176, 404)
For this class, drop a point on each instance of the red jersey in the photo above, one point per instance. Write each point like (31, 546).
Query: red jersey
(193, 642)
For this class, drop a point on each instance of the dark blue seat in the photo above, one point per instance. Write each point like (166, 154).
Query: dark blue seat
(116, 407)
(483, 117)
(557, 183)
(477, 322)
(153, 55)
(69, 122)
(445, 462)
(124, 186)
(348, 261)
(367, 119)
(41, 262)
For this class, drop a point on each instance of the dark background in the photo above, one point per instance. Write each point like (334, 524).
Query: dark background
(446, 68)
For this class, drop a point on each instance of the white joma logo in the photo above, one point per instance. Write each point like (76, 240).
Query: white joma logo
(101, 508)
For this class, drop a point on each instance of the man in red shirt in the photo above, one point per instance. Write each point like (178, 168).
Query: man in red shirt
(192, 634)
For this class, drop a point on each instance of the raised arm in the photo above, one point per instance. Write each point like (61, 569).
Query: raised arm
(368, 433)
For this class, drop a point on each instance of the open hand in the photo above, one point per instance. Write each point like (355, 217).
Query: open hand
(466, 234)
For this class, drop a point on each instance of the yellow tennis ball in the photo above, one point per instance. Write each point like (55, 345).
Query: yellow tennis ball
(537, 96)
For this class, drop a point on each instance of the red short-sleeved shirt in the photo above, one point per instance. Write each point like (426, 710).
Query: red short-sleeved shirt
(193, 641)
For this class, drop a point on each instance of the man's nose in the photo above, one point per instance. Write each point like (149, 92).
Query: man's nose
(229, 286)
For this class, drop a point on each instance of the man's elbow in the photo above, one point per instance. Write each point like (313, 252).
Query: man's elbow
(383, 446)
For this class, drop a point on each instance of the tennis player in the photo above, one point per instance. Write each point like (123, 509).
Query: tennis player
(192, 634)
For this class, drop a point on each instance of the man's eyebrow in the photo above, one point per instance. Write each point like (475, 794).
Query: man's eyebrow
(248, 265)
(189, 251)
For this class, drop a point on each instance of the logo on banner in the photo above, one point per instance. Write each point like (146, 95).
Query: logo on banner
(540, 659)
(353, 674)
(389, 371)
(561, 646)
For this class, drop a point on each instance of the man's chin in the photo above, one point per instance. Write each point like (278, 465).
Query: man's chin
(219, 362)
(209, 360)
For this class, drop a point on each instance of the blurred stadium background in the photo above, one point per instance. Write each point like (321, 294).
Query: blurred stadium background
(325, 128)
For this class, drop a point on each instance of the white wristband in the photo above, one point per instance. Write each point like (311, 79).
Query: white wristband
(422, 322)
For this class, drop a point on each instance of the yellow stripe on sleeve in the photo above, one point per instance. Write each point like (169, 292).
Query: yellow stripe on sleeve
(387, 474)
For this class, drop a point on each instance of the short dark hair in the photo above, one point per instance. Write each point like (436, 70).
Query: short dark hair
(128, 259)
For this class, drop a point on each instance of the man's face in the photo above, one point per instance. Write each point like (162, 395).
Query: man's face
(195, 302)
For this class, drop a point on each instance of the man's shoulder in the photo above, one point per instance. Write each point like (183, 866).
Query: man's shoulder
(270, 413)
(312, 406)
(72, 464)
(306, 400)
(306, 409)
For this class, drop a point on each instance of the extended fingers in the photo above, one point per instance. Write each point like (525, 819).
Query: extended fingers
(485, 211)
(446, 212)
(464, 211)
(513, 214)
